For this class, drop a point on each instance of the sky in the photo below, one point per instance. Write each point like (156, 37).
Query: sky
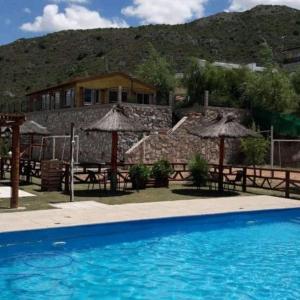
(30, 18)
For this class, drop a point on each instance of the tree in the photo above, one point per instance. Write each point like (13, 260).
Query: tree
(266, 55)
(270, 90)
(255, 151)
(198, 79)
(157, 71)
(295, 79)
(233, 88)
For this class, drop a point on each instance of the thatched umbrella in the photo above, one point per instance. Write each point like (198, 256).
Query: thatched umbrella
(224, 126)
(115, 121)
(31, 129)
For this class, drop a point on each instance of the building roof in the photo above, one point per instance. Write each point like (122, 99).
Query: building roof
(291, 49)
(116, 120)
(233, 66)
(89, 78)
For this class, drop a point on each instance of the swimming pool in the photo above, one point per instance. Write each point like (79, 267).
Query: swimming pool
(232, 256)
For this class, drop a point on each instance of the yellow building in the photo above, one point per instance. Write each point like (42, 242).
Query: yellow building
(102, 89)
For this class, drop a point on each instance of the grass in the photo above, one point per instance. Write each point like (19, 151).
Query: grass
(43, 200)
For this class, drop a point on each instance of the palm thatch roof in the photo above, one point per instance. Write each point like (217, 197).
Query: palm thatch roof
(116, 120)
(225, 126)
(33, 128)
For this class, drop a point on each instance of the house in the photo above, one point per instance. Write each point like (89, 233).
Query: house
(253, 67)
(180, 93)
(291, 58)
(95, 90)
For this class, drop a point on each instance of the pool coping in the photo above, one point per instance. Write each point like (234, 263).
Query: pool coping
(109, 214)
(57, 234)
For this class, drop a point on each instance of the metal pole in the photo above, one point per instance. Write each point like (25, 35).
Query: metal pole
(72, 144)
(206, 100)
(272, 147)
(221, 164)
(53, 150)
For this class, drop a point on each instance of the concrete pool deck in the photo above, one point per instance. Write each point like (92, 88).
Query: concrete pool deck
(90, 212)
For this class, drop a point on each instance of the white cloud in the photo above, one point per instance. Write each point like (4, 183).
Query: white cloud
(73, 17)
(165, 11)
(72, 1)
(27, 10)
(241, 5)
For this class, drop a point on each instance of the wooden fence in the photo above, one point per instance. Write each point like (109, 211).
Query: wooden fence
(286, 181)
(280, 180)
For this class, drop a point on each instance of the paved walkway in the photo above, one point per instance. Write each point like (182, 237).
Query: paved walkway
(5, 192)
(90, 212)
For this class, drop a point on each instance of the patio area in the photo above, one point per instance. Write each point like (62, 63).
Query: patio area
(93, 212)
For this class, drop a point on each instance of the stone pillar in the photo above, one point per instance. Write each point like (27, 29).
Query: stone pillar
(119, 95)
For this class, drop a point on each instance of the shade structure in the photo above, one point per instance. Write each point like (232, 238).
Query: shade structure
(33, 128)
(224, 126)
(14, 121)
(115, 121)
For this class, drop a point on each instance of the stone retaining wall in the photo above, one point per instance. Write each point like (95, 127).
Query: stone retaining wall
(178, 145)
(96, 146)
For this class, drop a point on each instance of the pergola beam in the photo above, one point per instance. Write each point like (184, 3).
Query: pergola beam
(14, 121)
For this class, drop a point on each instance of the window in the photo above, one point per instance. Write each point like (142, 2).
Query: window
(88, 97)
(97, 96)
(57, 100)
(45, 102)
(143, 98)
(124, 96)
(140, 98)
(113, 96)
(69, 98)
(146, 99)
(38, 104)
(52, 100)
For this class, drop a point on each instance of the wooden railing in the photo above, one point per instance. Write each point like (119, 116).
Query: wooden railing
(286, 181)
(280, 180)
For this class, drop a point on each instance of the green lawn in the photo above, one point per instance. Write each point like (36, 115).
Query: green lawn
(175, 192)
(42, 200)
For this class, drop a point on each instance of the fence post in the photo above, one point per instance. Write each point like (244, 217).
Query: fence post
(244, 179)
(67, 178)
(287, 184)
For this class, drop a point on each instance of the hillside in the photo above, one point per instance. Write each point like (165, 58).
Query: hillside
(26, 65)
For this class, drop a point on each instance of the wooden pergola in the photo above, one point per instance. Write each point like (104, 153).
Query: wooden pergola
(14, 121)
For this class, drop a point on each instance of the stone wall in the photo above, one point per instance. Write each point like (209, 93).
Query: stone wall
(96, 146)
(178, 145)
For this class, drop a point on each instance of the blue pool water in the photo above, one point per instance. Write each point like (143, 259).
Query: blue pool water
(232, 256)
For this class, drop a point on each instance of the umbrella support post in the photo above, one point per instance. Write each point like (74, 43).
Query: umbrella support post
(114, 157)
(221, 164)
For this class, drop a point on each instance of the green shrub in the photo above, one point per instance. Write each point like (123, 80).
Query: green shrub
(255, 150)
(161, 171)
(199, 169)
(139, 175)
